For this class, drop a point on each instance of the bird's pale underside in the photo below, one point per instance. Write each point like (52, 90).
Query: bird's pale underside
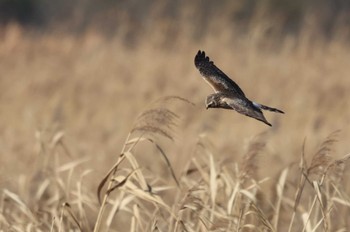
(228, 94)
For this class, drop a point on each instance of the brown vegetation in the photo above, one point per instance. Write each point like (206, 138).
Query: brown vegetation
(68, 102)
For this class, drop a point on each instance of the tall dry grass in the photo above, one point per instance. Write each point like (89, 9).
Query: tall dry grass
(69, 102)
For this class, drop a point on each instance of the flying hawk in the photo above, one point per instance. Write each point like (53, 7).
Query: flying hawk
(228, 94)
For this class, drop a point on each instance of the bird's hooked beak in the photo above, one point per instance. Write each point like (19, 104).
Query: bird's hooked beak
(208, 105)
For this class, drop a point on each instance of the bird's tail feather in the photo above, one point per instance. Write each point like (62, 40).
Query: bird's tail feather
(263, 107)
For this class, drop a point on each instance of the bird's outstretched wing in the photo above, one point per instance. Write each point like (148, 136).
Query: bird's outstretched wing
(246, 107)
(216, 78)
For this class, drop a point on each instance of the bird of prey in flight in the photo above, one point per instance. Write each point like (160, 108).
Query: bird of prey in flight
(228, 94)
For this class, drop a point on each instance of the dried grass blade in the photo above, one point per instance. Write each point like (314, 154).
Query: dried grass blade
(170, 98)
(166, 161)
(318, 224)
(204, 222)
(134, 141)
(318, 192)
(71, 165)
(232, 199)
(21, 204)
(68, 209)
(302, 179)
(201, 170)
(80, 198)
(263, 219)
(240, 218)
(152, 198)
(121, 183)
(248, 194)
(341, 201)
(279, 189)
(104, 180)
(56, 138)
(213, 182)
(133, 224)
(306, 216)
(43, 186)
(121, 202)
(137, 217)
(135, 165)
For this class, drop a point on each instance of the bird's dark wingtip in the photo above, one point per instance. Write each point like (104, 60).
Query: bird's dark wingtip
(199, 57)
(202, 58)
(200, 54)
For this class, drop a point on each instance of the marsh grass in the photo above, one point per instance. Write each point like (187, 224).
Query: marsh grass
(210, 194)
(83, 95)
(222, 196)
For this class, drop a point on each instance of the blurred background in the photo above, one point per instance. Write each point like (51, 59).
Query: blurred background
(112, 16)
(88, 68)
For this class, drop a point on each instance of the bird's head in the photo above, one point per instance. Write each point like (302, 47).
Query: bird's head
(211, 102)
